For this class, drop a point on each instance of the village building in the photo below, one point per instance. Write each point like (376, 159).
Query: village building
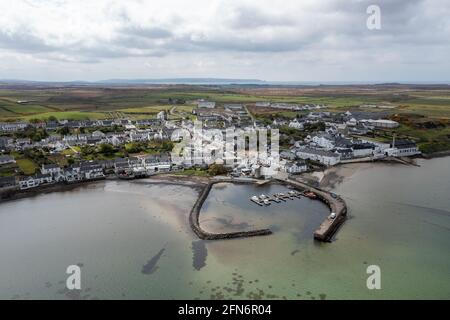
(361, 150)
(382, 123)
(327, 158)
(6, 159)
(204, 104)
(324, 140)
(296, 167)
(295, 124)
(8, 183)
(402, 148)
(12, 126)
(35, 181)
(157, 163)
(162, 116)
(50, 169)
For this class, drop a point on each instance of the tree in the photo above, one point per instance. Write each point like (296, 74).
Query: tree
(63, 131)
(217, 169)
(107, 149)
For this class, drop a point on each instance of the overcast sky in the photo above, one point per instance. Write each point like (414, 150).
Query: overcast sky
(278, 40)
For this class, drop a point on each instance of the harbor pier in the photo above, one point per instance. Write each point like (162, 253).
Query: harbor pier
(324, 233)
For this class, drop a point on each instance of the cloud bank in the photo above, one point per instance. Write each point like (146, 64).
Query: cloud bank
(290, 40)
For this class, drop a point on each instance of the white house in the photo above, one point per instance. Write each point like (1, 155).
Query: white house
(139, 136)
(325, 157)
(203, 104)
(35, 181)
(162, 115)
(157, 163)
(72, 175)
(27, 183)
(91, 171)
(324, 140)
(12, 127)
(50, 169)
(361, 150)
(296, 125)
(402, 148)
(296, 167)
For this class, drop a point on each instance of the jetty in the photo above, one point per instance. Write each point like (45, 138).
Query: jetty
(337, 206)
(277, 198)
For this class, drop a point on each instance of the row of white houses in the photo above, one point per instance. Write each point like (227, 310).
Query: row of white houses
(53, 173)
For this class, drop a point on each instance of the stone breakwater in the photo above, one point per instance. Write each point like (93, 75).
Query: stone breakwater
(195, 216)
(329, 226)
(324, 233)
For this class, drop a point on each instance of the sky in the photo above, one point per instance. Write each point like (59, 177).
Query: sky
(273, 40)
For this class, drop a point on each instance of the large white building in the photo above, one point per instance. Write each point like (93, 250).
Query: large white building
(324, 140)
(327, 158)
(203, 104)
(382, 123)
(402, 148)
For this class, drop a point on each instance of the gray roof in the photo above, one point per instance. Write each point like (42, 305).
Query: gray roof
(319, 152)
(6, 158)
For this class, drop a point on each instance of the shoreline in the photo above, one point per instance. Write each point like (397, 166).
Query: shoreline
(326, 179)
(333, 176)
(17, 194)
(440, 154)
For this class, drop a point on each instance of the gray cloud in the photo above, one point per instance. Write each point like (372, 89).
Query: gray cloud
(210, 34)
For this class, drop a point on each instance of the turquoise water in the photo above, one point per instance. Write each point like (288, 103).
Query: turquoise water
(132, 240)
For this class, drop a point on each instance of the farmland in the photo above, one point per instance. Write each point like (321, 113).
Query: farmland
(424, 110)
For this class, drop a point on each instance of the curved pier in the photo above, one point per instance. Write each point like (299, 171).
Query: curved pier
(195, 215)
(337, 206)
(324, 233)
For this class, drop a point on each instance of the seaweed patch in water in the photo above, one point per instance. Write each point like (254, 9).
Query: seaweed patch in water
(199, 254)
(151, 266)
(229, 224)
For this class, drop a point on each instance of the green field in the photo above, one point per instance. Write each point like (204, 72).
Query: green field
(71, 115)
(27, 166)
(432, 103)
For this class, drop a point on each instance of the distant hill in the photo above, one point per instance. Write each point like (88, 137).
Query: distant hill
(207, 81)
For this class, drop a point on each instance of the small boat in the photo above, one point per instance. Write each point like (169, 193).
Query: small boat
(280, 196)
(256, 200)
(266, 202)
(298, 195)
(294, 194)
(274, 198)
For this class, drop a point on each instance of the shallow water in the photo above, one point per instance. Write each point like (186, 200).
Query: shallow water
(132, 240)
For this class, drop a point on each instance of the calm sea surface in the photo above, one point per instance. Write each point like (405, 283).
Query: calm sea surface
(132, 241)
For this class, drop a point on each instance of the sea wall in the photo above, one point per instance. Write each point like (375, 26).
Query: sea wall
(194, 217)
(325, 232)
(329, 226)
